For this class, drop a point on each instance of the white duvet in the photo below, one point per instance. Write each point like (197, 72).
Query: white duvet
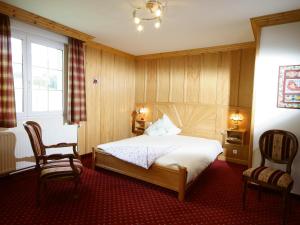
(140, 154)
(170, 151)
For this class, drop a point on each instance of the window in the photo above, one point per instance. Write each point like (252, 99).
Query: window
(47, 78)
(38, 74)
(17, 63)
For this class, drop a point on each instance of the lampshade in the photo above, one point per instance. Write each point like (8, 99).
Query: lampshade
(141, 113)
(236, 117)
(142, 110)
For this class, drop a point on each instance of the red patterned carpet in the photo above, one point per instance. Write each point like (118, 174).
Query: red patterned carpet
(109, 198)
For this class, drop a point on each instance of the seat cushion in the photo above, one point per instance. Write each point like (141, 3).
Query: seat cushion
(60, 168)
(61, 163)
(269, 175)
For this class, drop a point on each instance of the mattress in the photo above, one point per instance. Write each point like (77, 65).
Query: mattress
(194, 153)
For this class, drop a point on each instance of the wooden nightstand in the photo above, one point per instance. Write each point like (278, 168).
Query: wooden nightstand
(234, 145)
(138, 124)
(138, 127)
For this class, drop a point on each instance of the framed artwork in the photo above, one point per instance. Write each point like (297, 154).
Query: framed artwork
(289, 87)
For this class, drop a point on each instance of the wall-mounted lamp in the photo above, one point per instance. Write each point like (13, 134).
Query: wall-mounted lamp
(236, 118)
(142, 111)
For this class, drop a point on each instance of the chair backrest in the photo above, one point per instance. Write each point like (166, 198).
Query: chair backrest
(34, 132)
(278, 146)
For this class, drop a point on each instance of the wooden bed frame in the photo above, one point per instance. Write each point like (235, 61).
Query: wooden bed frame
(173, 179)
(185, 116)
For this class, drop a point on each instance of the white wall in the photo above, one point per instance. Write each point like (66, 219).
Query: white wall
(280, 45)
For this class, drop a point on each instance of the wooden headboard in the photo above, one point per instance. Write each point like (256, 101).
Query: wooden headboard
(198, 120)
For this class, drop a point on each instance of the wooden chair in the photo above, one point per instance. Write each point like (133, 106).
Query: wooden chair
(55, 166)
(277, 146)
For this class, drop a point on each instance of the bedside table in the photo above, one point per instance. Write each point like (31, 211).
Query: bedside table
(234, 137)
(235, 148)
(138, 126)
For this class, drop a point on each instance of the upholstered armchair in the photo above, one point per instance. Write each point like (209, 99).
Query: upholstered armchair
(54, 166)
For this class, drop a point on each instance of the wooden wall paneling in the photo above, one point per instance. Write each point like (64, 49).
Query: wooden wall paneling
(223, 113)
(106, 48)
(93, 71)
(193, 119)
(197, 120)
(223, 80)
(223, 92)
(111, 101)
(123, 99)
(127, 107)
(168, 109)
(246, 77)
(200, 92)
(163, 80)
(107, 97)
(131, 99)
(208, 78)
(81, 139)
(118, 96)
(151, 84)
(235, 77)
(198, 51)
(177, 79)
(193, 69)
(140, 76)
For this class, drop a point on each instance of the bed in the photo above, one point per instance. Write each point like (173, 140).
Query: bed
(175, 170)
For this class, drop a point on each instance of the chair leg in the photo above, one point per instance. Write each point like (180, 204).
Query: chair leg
(259, 192)
(38, 193)
(76, 182)
(285, 205)
(45, 186)
(93, 159)
(245, 193)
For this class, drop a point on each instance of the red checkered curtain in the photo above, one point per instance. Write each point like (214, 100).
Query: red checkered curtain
(76, 82)
(7, 94)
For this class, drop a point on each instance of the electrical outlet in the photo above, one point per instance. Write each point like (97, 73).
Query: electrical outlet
(234, 151)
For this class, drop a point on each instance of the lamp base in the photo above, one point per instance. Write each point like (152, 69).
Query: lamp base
(235, 127)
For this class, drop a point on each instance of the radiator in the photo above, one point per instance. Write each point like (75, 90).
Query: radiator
(7, 152)
(15, 148)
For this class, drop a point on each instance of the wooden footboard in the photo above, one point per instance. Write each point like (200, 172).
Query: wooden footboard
(173, 179)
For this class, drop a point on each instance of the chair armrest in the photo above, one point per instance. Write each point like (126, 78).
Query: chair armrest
(63, 145)
(57, 156)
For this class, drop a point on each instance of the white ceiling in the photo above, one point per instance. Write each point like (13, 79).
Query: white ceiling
(186, 24)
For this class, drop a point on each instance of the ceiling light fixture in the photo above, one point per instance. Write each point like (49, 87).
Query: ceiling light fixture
(152, 11)
(137, 20)
(140, 28)
(157, 24)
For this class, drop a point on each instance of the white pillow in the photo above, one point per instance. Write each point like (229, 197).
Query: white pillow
(169, 126)
(161, 127)
(156, 129)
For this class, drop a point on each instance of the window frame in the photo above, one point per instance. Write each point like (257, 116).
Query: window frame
(22, 36)
(27, 39)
